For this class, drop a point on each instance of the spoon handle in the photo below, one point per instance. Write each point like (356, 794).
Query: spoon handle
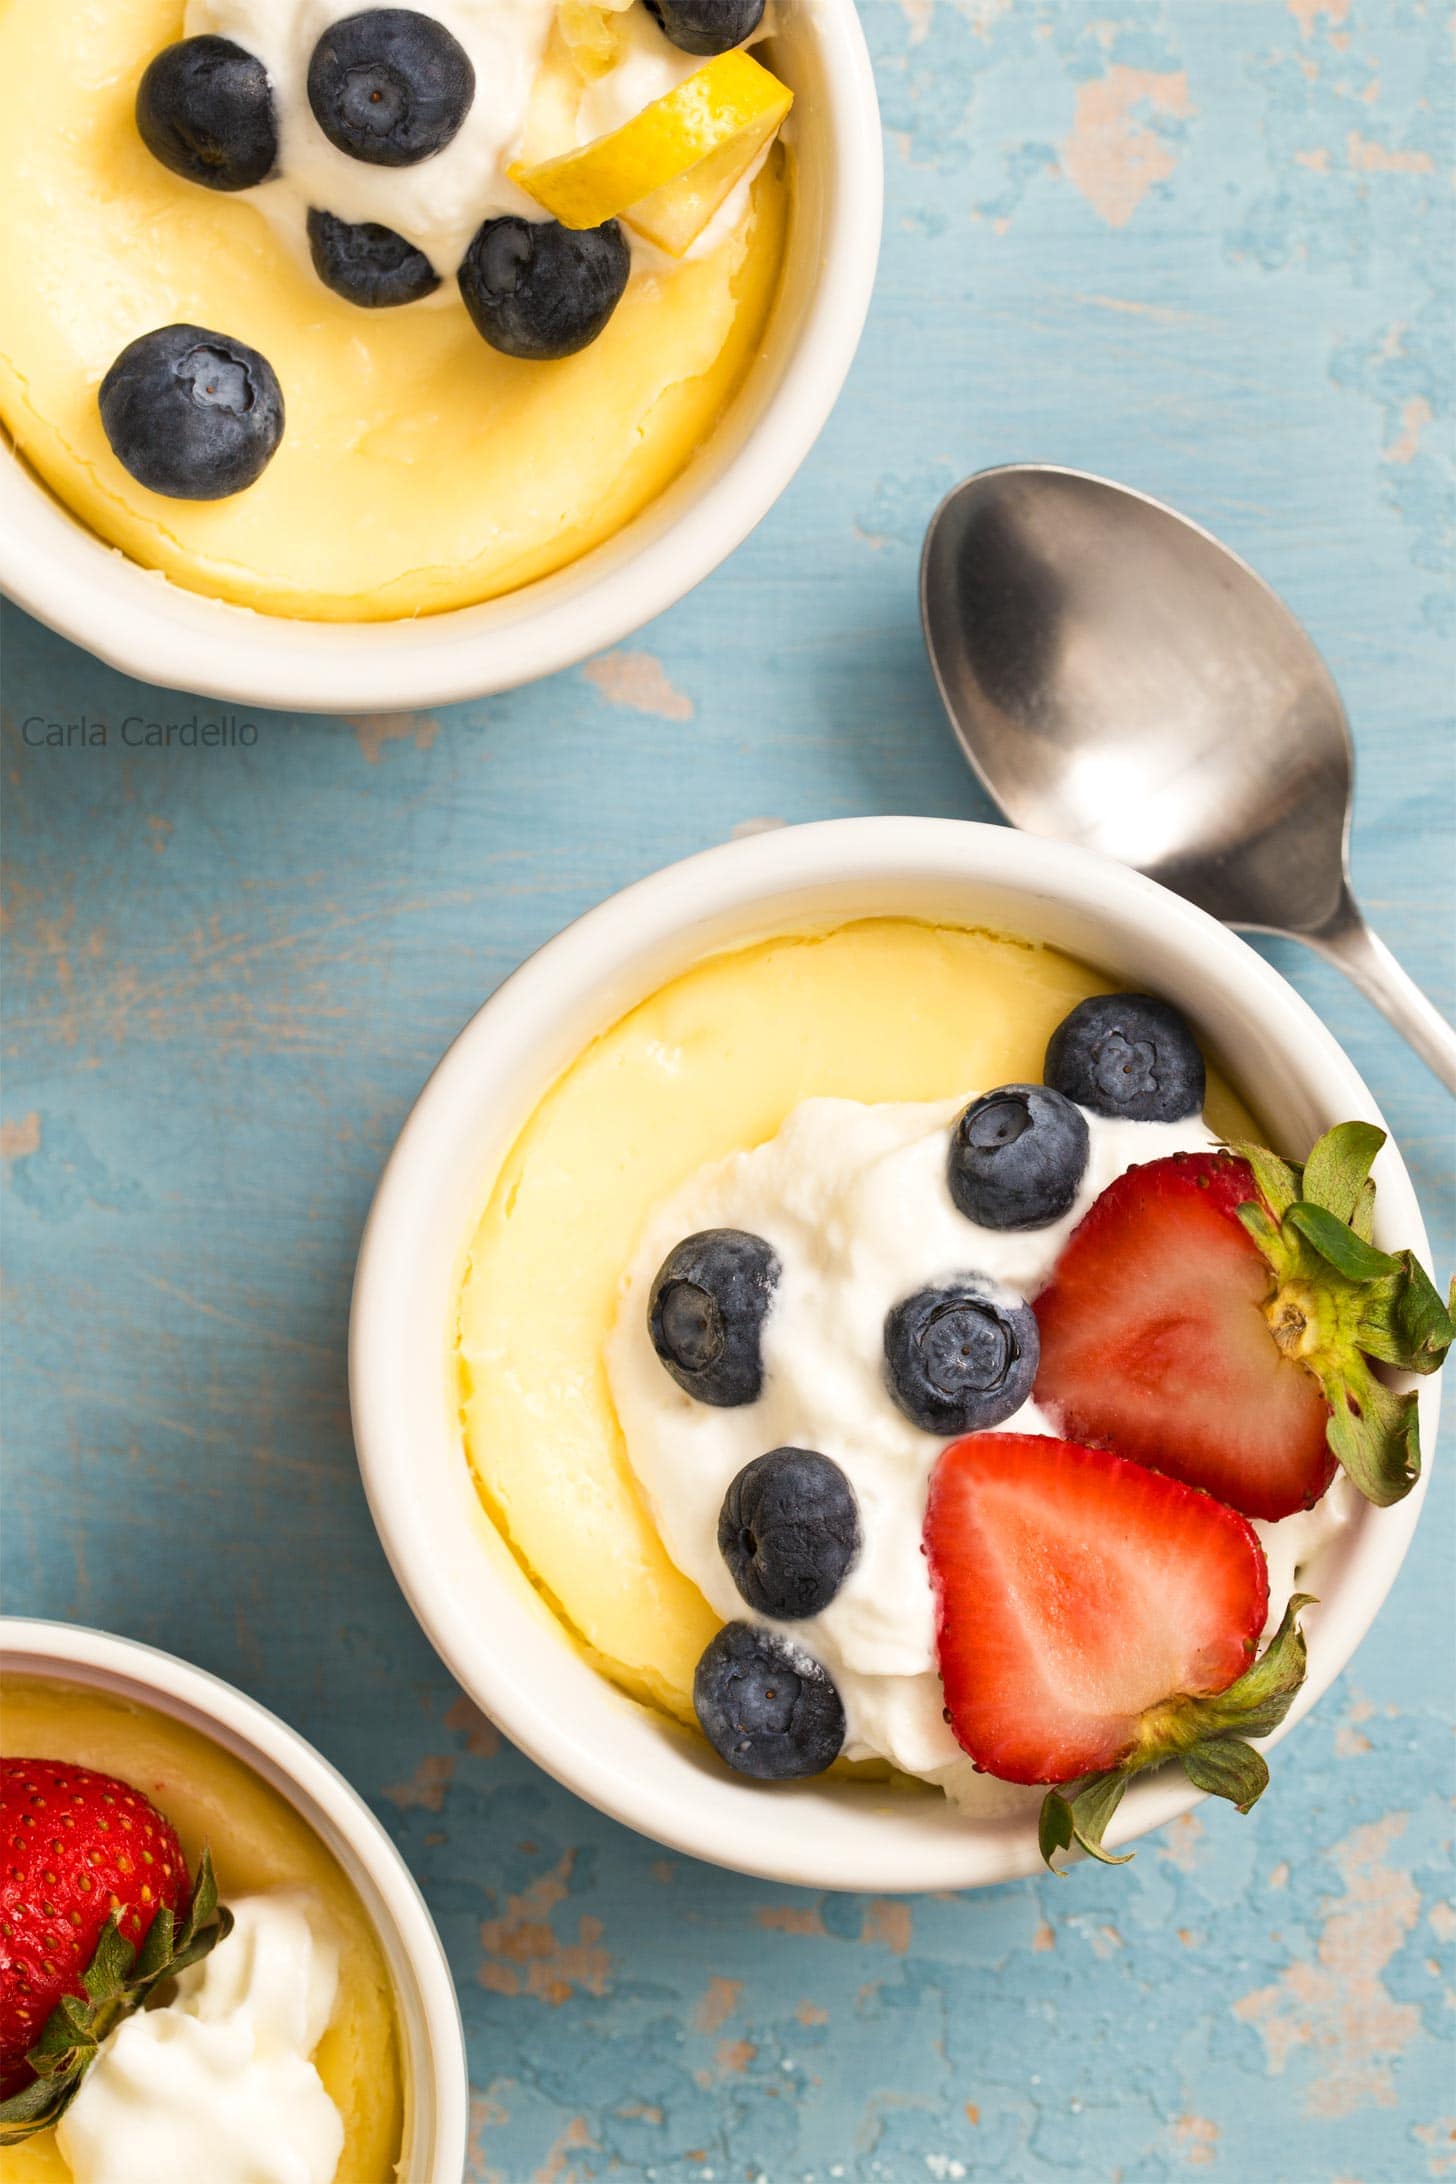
(1369, 964)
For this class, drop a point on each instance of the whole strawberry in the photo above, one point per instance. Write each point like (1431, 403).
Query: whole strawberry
(95, 1908)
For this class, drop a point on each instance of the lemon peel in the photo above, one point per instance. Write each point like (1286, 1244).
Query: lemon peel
(668, 169)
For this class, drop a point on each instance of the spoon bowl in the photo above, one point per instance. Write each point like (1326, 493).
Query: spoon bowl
(1119, 679)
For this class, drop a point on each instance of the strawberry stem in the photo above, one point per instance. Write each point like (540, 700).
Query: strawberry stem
(1338, 1303)
(1206, 1735)
(117, 1982)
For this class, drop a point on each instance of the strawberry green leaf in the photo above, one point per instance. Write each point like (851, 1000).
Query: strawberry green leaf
(203, 1909)
(106, 1974)
(201, 1945)
(1250, 1707)
(1362, 1220)
(1227, 1767)
(1264, 1230)
(1375, 1433)
(1054, 1830)
(157, 1948)
(1082, 1818)
(1338, 1168)
(26, 2111)
(1337, 1242)
(1263, 1695)
(1403, 1320)
(1279, 1184)
(65, 2032)
(1092, 1809)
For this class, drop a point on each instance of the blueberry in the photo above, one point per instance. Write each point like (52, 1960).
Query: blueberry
(706, 26)
(538, 290)
(1127, 1054)
(191, 414)
(766, 1707)
(390, 86)
(706, 1314)
(961, 1357)
(789, 1532)
(1017, 1157)
(368, 264)
(204, 109)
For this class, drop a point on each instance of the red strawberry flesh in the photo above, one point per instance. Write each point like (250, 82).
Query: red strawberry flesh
(1077, 1592)
(75, 1846)
(1156, 1341)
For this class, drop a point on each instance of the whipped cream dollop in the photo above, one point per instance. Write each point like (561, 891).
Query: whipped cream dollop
(218, 2085)
(855, 1203)
(438, 204)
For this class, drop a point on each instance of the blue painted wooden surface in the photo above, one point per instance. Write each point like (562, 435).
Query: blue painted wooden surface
(1203, 246)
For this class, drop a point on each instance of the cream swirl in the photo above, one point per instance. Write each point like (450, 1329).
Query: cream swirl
(219, 2083)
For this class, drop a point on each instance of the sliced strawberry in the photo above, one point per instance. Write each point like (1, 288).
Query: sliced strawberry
(1220, 1316)
(1156, 1340)
(1078, 1595)
(95, 1909)
(1096, 1618)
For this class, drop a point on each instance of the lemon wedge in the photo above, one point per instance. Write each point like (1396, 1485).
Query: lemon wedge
(668, 169)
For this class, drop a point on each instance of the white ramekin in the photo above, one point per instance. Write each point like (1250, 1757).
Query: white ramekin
(136, 620)
(487, 1622)
(436, 2084)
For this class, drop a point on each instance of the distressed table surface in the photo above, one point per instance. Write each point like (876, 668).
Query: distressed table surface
(1202, 245)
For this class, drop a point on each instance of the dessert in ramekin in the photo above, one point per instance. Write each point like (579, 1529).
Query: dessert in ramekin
(661, 1251)
(213, 1960)
(459, 357)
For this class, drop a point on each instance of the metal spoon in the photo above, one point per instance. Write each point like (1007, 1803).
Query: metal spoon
(1116, 677)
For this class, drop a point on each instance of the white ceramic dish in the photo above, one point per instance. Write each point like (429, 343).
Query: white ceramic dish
(487, 1622)
(135, 620)
(437, 2089)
